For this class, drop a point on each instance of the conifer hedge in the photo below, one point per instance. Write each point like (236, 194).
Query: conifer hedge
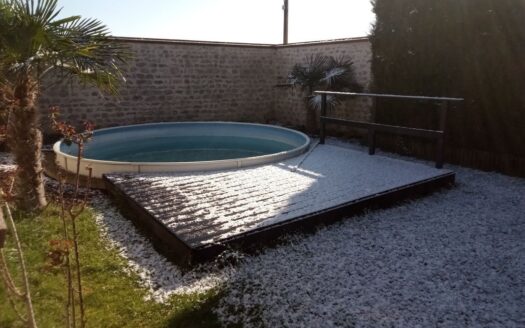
(474, 49)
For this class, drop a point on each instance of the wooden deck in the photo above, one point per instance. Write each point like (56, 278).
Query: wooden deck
(192, 217)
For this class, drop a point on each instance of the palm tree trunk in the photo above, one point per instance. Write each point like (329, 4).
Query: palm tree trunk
(25, 142)
(312, 120)
(311, 114)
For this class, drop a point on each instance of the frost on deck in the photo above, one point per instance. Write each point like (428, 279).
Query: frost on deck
(208, 207)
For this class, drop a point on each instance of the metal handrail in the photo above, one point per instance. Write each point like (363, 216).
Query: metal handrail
(373, 128)
(380, 95)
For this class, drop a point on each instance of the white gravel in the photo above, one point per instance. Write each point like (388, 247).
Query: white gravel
(452, 259)
(159, 276)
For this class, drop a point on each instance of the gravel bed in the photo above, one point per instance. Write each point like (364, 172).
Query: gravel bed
(452, 259)
(159, 276)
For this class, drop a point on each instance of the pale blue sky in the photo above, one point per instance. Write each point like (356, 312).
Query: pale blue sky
(256, 21)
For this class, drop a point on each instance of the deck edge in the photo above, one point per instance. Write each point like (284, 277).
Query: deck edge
(176, 250)
(272, 234)
(163, 240)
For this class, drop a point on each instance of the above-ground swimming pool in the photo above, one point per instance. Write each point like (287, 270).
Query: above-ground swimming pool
(182, 147)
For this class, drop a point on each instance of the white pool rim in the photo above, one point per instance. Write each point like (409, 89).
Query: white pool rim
(101, 167)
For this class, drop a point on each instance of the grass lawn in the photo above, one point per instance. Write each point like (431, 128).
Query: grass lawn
(113, 298)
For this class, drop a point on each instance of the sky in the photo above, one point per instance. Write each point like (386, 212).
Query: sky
(252, 21)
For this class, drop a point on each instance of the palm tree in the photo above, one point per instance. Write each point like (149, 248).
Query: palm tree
(34, 42)
(327, 73)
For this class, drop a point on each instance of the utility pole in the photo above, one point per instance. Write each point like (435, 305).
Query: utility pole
(285, 28)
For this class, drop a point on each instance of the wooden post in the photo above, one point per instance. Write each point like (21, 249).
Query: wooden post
(3, 229)
(322, 123)
(441, 140)
(285, 26)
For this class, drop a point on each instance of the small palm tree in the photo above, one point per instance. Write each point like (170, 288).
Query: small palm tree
(327, 73)
(34, 42)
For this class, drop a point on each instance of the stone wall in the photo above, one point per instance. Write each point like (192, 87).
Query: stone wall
(171, 80)
(290, 107)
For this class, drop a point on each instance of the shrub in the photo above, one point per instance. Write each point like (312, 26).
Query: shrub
(462, 48)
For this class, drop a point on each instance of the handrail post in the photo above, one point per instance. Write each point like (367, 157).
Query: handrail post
(373, 128)
(441, 140)
(322, 123)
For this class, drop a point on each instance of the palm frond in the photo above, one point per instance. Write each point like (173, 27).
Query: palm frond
(85, 45)
(332, 74)
(340, 75)
(46, 11)
(321, 72)
(105, 80)
(308, 75)
(35, 42)
(314, 102)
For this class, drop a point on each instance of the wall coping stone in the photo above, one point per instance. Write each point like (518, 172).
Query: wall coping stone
(324, 42)
(238, 44)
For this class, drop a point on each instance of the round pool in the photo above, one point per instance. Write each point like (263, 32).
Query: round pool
(182, 147)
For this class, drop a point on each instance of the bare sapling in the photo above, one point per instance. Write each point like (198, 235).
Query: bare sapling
(66, 252)
(15, 295)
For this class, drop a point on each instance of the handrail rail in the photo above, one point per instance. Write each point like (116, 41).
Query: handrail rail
(372, 128)
(386, 95)
(380, 95)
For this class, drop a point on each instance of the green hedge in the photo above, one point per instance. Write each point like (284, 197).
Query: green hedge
(473, 49)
